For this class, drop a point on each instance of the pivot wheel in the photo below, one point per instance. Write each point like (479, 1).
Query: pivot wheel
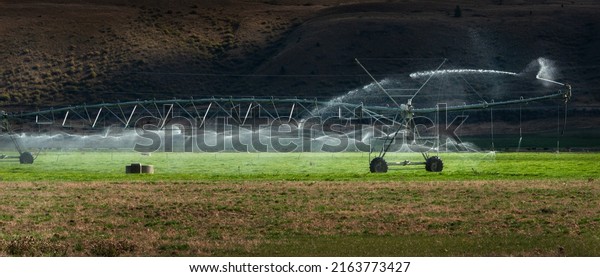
(26, 158)
(434, 164)
(378, 165)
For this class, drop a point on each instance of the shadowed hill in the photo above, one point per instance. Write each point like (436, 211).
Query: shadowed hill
(69, 52)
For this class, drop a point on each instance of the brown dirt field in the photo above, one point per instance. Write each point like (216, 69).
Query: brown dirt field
(199, 219)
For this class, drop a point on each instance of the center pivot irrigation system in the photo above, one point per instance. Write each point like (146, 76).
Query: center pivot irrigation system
(407, 113)
(253, 111)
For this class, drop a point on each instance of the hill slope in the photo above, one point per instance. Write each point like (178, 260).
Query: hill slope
(69, 52)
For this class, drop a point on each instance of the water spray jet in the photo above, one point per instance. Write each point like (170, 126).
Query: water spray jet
(422, 74)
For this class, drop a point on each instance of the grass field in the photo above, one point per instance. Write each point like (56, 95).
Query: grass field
(110, 167)
(300, 204)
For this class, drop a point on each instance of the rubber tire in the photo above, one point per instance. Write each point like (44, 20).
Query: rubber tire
(378, 165)
(26, 158)
(434, 164)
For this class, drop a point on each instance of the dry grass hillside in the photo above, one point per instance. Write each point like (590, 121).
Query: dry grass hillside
(69, 52)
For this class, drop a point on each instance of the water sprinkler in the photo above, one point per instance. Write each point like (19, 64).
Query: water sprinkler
(568, 93)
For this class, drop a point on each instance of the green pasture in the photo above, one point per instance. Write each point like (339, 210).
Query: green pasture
(300, 204)
(110, 166)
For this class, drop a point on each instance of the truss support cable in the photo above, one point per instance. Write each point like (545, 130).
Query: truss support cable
(15, 142)
(291, 112)
(130, 116)
(424, 84)
(97, 116)
(205, 115)
(473, 89)
(65, 119)
(378, 84)
(385, 150)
